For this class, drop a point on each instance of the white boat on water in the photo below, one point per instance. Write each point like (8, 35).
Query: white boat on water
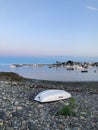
(52, 95)
(12, 66)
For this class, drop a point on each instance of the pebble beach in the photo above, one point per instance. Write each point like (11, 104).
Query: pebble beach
(19, 111)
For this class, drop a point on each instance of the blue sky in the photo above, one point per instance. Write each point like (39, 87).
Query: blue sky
(49, 28)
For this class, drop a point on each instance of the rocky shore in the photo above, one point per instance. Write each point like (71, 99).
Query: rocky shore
(19, 111)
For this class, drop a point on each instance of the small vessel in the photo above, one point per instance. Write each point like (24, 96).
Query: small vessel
(52, 95)
(84, 71)
(70, 68)
(12, 66)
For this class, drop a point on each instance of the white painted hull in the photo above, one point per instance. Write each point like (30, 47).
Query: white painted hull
(52, 95)
(12, 66)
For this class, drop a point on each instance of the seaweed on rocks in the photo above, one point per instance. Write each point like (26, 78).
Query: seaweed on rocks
(10, 76)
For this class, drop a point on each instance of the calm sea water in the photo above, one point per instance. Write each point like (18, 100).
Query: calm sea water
(46, 73)
(44, 60)
(57, 74)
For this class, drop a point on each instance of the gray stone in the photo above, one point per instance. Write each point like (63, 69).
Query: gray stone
(76, 128)
(9, 128)
(19, 112)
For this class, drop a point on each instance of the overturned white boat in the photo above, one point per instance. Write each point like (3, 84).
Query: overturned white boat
(52, 95)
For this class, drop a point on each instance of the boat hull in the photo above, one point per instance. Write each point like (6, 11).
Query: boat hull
(52, 95)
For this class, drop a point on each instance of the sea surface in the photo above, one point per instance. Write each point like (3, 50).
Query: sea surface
(43, 59)
(46, 73)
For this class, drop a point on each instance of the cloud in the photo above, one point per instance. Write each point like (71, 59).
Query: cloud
(92, 8)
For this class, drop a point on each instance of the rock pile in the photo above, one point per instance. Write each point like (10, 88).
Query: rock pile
(18, 110)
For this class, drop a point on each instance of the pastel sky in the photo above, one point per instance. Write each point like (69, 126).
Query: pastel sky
(49, 27)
